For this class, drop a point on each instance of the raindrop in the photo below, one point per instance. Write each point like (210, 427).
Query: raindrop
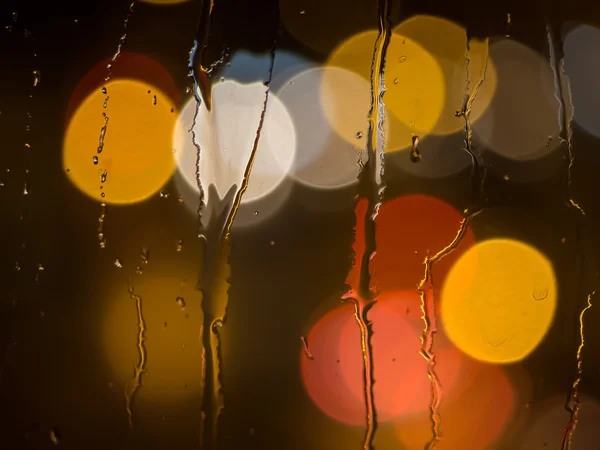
(395, 80)
(103, 177)
(154, 100)
(25, 190)
(14, 16)
(256, 213)
(76, 20)
(144, 254)
(506, 177)
(415, 155)
(102, 194)
(164, 194)
(118, 263)
(104, 91)
(40, 267)
(95, 160)
(402, 59)
(359, 135)
(55, 435)
(179, 245)
(36, 77)
(1, 184)
(181, 302)
(305, 347)
(540, 292)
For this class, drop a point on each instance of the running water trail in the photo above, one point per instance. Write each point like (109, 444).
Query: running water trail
(426, 286)
(562, 93)
(214, 278)
(372, 187)
(96, 159)
(130, 392)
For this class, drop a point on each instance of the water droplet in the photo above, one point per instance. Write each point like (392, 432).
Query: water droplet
(164, 194)
(181, 302)
(179, 245)
(55, 435)
(563, 240)
(256, 213)
(415, 155)
(402, 59)
(103, 177)
(172, 109)
(95, 160)
(1, 184)
(302, 13)
(144, 254)
(222, 79)
(14, 16)
(305, 347)
(27, 145)
(359, 135)
(217, 324)
(154, 100)
(76, 20)
(395, 80)
(104, 91)
(102, 194)
(540, 292)
(17, 266)
(42, 313)
(180, 199)
(36, 78)
(506, 177)
(138, 270)
(40, 267)
(118, 263)
(272, 243)
(25, 190)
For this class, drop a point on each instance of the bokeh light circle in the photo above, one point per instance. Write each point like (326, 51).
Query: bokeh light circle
(323, 159)
(498, 301)
(333, 378)
(521, 123)
(581, 46)
(137, 153)
(408, 229)
(446, 42)
(473, 419)
(415, 88)
(226, 137)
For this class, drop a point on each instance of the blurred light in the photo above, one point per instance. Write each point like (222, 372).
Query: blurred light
(137, 153)
(408, 229)
(447, 43)
(226, 137)
(521, 123)
(323, 159)
(581, 46)
(173, 350)
(248, 67)
(415, 87)
(333, 377)
(549, 419)
(472, 420)
(498, 300)
(131, 65)
(317, 24)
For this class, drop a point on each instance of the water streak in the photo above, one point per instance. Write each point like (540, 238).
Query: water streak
(371, 180)
(215, 292)
(562, 93)
(141, 366)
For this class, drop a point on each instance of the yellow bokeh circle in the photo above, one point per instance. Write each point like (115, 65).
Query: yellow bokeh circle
(415, 87)
(137, 154)
(499, 300)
